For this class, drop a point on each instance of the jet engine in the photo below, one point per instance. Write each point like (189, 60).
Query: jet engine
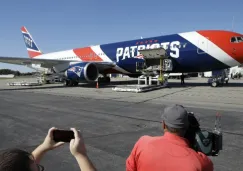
(79, 72)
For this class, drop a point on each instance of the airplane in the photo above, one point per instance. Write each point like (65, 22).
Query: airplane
(195, 51)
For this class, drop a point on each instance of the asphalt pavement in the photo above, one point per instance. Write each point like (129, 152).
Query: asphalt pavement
(111, 122)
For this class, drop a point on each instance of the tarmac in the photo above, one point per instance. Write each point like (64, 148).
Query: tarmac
(111, 122)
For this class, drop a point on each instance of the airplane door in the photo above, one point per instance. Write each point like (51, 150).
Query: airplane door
(236, 48)
(202, 46)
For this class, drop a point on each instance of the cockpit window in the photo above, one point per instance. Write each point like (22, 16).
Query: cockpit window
(233, 39)
(240, 39)
(236, 39)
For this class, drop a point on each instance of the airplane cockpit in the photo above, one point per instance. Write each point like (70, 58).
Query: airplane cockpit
(236, 39)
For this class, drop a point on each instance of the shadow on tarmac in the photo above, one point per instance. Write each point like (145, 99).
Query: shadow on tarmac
(119, 83)
(178, 85)
(61, 86)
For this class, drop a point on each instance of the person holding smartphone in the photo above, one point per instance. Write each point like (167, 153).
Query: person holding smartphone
(16, 159)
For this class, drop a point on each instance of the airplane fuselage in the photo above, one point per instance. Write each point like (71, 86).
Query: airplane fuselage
(197, 51)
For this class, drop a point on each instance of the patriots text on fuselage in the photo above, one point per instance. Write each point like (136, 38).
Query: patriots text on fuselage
(123, 53)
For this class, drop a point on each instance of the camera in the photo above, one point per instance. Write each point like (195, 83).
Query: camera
(208, 142)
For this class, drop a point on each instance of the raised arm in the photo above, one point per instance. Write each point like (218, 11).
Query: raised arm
(78, 150)
(47, 145)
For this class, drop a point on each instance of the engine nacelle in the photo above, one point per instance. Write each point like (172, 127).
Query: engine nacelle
(82, 72)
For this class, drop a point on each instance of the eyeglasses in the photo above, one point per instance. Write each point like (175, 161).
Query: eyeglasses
(40, 167)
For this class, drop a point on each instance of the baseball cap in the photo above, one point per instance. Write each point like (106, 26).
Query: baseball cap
(176, 116)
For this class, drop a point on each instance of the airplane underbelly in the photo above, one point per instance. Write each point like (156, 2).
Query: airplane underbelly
(61, 67)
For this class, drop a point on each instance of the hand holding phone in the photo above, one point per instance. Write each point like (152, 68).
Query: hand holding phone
(77, 146)
(63, 135)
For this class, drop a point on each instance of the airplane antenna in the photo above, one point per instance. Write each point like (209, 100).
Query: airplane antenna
(233, 23)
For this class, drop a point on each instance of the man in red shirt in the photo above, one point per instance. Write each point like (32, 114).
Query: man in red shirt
(168, 152)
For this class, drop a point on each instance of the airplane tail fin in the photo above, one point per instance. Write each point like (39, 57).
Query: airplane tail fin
(30, 44)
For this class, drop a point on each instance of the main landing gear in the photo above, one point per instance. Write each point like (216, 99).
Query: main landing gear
(74, 83)
(104, 79)
(70, 83)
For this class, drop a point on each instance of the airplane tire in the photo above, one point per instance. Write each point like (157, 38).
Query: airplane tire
(70, 83)
(104, 79)
(66, 82)
(75, 83)
(214, 84)
(108, 80)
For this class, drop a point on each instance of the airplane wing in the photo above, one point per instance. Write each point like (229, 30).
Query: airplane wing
(27, 61)
(49, 63)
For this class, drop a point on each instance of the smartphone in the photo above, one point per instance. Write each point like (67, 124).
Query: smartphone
(63, 135)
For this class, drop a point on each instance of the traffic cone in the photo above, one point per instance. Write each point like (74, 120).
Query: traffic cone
(97, 84)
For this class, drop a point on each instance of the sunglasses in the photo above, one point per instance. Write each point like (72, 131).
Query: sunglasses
(40, 167)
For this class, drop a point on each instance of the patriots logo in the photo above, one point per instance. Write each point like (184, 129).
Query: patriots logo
(76, 69)
(139, 56)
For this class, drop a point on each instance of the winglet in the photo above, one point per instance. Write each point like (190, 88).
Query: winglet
(30, 44)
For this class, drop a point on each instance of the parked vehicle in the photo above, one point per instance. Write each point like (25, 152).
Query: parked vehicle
(218, 78)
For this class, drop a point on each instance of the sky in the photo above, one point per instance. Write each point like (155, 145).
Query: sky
(60, 24)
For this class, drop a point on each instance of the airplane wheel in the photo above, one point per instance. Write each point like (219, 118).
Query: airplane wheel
(214, 84)
(104, 79)
(66, 83)
(75, 83)
(107, 79)
(70, 83)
